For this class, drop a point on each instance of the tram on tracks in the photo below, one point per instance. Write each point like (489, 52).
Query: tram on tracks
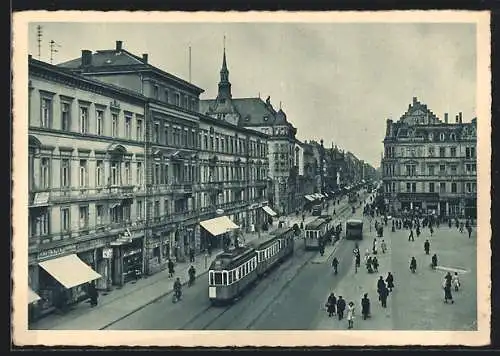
(318, 232)
(234, 271)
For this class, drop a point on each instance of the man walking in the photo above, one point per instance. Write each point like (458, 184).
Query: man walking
(427, 246)
(410, 237)
(340, 307)
(335, 264)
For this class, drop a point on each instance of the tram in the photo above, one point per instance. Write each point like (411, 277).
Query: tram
(317, 232)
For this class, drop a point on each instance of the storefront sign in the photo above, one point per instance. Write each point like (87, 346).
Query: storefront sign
(90, 245)
(132, 252)
(56, 251)
(107, 253)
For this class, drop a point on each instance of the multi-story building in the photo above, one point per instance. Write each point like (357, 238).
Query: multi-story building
(336, 169)
(430, 165)
(310, 167)
(124, 170)
(260, 116)
(170, 146)
(86, 179)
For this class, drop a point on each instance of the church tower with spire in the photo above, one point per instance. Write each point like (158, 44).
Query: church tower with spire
(224, 84)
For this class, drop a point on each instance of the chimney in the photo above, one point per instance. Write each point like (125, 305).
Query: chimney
(456, 119)
(145, 57)
(414, 100)
(460, 117)
(86, 58)
(119, 46)
(445, 117)
(29, 57)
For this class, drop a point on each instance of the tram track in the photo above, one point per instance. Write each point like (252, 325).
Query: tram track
(214, 314)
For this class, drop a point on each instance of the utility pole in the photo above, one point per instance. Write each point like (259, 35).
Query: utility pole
(190, 64)
(39, 41)
(53, 50)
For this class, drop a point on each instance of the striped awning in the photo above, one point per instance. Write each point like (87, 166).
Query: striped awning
(269, 210)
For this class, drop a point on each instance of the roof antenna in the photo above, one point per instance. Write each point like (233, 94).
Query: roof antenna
(280, 105)
(39, 41)
(190, 64)
(53, 50)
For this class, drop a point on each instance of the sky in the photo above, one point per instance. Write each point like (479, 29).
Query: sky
(336, 81)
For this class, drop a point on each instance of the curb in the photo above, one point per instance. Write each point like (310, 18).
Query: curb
(146, 304)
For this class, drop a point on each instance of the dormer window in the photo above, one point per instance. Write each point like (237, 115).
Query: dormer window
(453, 137)
(441, 136)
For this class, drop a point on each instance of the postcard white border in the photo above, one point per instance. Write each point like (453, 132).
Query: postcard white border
(23, 336)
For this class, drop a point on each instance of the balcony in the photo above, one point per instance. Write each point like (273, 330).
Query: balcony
(182, 189)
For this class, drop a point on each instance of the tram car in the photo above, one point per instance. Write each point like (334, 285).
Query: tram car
(317, 231)
(234, 271)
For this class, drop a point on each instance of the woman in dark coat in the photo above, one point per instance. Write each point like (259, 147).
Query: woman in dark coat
(331, 304)
(365, 306)
(390, 281)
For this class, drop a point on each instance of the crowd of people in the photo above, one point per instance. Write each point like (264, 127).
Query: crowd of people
(338, 306)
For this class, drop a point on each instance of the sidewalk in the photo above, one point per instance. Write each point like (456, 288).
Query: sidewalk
(417, 302)
(133, 296)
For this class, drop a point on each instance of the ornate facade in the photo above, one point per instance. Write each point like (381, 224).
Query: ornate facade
(430, 165)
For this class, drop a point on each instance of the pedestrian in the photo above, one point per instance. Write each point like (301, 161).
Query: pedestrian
(469, 230)
(461, 227)
(449, 223)
(350, 315)
(93, 294)
(417, 230)
(427, 246)
(357, 261)
(383, 297)
(331, 304)
(410, 237)
(390, 281)
(374, 247)
(431, 230)
(365, 306)
(380, 286)
(383, 246)
(375, 263)
(448, 278)
(434, 261)
(413, 265)
(335, 264)
(447, 291)
(456, 282)
(340, 307)
(170, 266)
(191, 254)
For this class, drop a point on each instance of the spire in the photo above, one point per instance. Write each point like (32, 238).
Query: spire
(224, 84)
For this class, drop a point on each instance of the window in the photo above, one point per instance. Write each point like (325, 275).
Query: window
(83, 216)
(414, 187)
(185, 102)
(139, 130)
(128, 177)
(453, 187)
(83, 173)
(156, 177)
(166, 95)
(177, 99)
(468, 187)
(128, 127)
(408, 187)
(115, 173)
(156, 133)
(474, 168)
(65, 117)
(45, 177)
(431, 151)
(65, 219)
(442, 151)
(99, 169)
(43, 223)
(166, 207)
(155, 91)
(431, 187)
(441, 136)
(139, 210)
(114, 124)
(99, 215)
(65, 173)
(84, 119)
(453, 151)
(99, 115)
(431, 170)
(139, 173)
(442, 169)
(165, 134)
(442, 187)
(453, 170)
(46, 117)
(156, 212)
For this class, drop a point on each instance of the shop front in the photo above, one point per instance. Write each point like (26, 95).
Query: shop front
(63, 281)
(218, 230)
(132, 260)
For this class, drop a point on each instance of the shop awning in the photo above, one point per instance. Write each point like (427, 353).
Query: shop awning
(309, 197)
(269, 210)
(41, 199)
(219, 225)
(69, 270)
(32, 296)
